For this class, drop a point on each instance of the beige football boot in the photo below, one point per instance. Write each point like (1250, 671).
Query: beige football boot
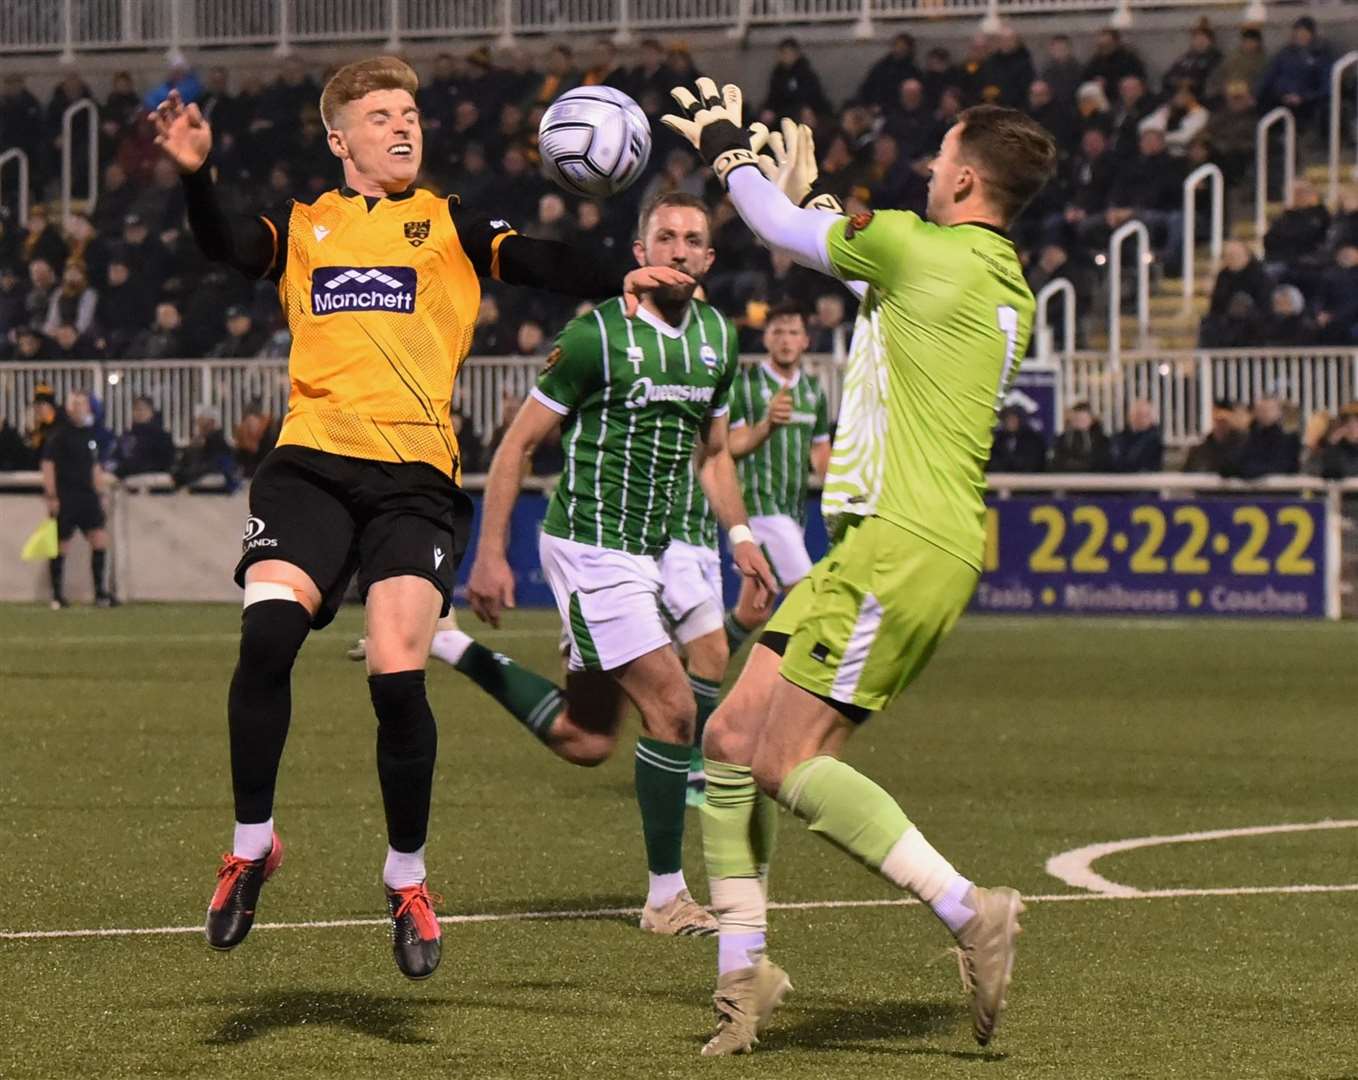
(683, 916)
(985, 955)
(744, 1002)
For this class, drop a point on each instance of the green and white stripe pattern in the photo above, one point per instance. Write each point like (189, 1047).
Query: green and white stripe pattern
(691, 517)
(774, 477)
(853, 481)
(635, 393)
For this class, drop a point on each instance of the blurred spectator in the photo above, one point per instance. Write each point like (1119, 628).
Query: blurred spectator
(552, 222)
(1148, 188)
(13, 293)
(1299, 75)
(1268, 449)
(285, 97)
(649, 74)
(1245, 63)
(116, 195)
(510, 404)
(438, 96)
(1053, 262)
(21, 123)
(1238, 327)
(125, 305)
(560, 75)
(68, 343)
(1088, 182)
(827, 322)
(1197, 64)
(1344, 227)
(207, 453)
(1082, 446)
(242, 338)
(42, 288)
(1139, 446)
(14, 452)
(680, 173)
(530, 339)
(471, 452)
(163, 340)
(794, 84)
(42, 240)
(881, 85)
(1181, 118)
(1062, 72)
(1058, 117)
(1339, 455)
(74, 302)
(593, 236)
(122, 108)
(1231, 132)
(518, 186)
(1134, 104)
(1220, 451)
(1007, 72)
(1240, 272)
(938, 75)
(145, 250)
(474, 182)
(1017, 447)
(181, 78)
(255, 435)
(1337, 299)
(1092, 109)
(604, 69)
(490, 337)
(911, 122)
(1112, 61)
(31, 345)
(1298, 234)
(146, 446)
(1287, 323)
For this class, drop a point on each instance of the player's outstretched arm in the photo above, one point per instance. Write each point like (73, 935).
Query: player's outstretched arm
(721, 485)
(490, 585)
(744, 439)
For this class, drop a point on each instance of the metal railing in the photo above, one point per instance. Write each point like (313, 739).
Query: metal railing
(68, 27)
(87, 106)
(1343, 64)
(1042, 331)
(20, 160)
(1143, 286)
(1280, 115)
(1194, 179)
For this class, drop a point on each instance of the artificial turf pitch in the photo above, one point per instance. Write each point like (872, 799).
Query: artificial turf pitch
(1023, 739)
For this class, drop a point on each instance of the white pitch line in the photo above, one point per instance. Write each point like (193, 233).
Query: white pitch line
(46, 641)
(607, 913)
(1075, 867)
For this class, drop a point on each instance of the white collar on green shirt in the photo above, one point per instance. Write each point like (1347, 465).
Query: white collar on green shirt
(651, 319)
(772, 373)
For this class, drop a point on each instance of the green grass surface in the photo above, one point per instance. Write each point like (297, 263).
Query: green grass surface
(1024, 739)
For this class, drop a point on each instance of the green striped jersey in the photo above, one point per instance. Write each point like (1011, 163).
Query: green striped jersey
(635, 393)
(691, 517)
(948, 315)
(775, 474)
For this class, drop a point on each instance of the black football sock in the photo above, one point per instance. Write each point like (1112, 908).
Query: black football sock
(259, 705)
(55, 569)
(407, 745)
(98, 562)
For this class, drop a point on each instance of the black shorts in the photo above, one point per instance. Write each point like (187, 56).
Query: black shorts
(78, 510)
(330, 515)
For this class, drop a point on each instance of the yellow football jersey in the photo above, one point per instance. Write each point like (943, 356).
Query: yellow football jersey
(381, 298)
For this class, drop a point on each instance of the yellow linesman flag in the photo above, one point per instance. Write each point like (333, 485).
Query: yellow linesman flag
(42, 545)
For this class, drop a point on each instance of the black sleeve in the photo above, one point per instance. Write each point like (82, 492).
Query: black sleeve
(256, 245)
(497, 251)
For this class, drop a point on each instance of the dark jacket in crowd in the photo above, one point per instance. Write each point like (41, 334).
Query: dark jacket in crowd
(1006, 76)
(1297, 234)
(1192, 67)
(1149, 182)
(1220, 456)
(1021, 451)
(1269, 451)
(1296, 69)
(1081, 451)
(1253, 281)
(1113, 67)
(1137, 451)
(793, 86)
(881, 87)
(1339, 461)
(144, 448)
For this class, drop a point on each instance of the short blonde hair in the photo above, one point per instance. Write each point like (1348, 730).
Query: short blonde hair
(353, 81)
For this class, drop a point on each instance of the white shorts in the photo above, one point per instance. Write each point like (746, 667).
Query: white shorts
(691, 598)
(609, 602)
(784, 544)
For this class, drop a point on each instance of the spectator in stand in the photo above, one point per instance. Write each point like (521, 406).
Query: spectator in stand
(881, 85)
(1053, 262)
(603, 69)
(1182, 118)
(242, 338)
(1245, 63)
(891, 179)
(1339, 454)
(181, 78)
(510, 404)
(116, 196)
(15, 455)
(1112, 61)
(559, 77)
(1231, 132)
(1299, 76)
(146, 251)
(1197, 64)
(1092, 109)
(71, 89)
(911, 122)
(1337, 299)
(438, 96)
(529, 339)
(471, 451)
(1240, 272)
(1017, 447)
(649, 74)
(939, 74)
(68, 343)
(1288, 325)
(679, 67)
(1139, 446)
(21, 125)
(1344, 227)
(1297, 236)
(73, 303)
(1007, 72)
(255, 435)
(1239, 327)
(969, 71)
(593, 235)
(793, 85)
(474, 180)
(519, 186)
(1268, 450)
(1088, 184)
(1135, 103)
(42, 288)
(42, 240)
(1082, 446)
(1062, 72)
(490, 337)
(31, 345)
(163, 340)
(1148, 188)
(1220, 451)
(1057, 116)
(13, 312)
(207, 453)
(552, 221)
(827, 323)
(146, 447)
(680, 173)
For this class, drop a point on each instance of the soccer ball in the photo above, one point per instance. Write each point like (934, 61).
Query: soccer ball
(595, 141)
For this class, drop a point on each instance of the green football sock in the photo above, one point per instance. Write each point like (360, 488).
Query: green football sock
(705, 693)
(740, 823)
(532, 700)
(845, 807)
(736, 635)
(662, 781)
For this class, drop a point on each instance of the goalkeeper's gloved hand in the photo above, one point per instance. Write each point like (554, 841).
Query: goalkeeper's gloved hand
(712, 126)
(793, 166)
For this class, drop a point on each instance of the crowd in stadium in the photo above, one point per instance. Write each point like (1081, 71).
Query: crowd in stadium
(126, 279)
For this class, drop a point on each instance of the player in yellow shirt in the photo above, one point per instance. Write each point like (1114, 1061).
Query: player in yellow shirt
(380, 284)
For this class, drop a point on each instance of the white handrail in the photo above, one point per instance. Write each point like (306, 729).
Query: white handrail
(1143, 288)
(1348, 60)
(1195, 178)
(67, 122)
(1042, 326)
(16, 154)
(1280, 115)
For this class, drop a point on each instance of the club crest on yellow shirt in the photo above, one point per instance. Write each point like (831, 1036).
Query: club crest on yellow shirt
(417, 232)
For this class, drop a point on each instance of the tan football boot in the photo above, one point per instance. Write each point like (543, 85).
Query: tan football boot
(985, 955)
(744, 1002)
(683, 916)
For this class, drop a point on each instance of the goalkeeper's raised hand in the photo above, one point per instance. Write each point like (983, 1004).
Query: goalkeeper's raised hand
(713, 126)
(792, 168)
